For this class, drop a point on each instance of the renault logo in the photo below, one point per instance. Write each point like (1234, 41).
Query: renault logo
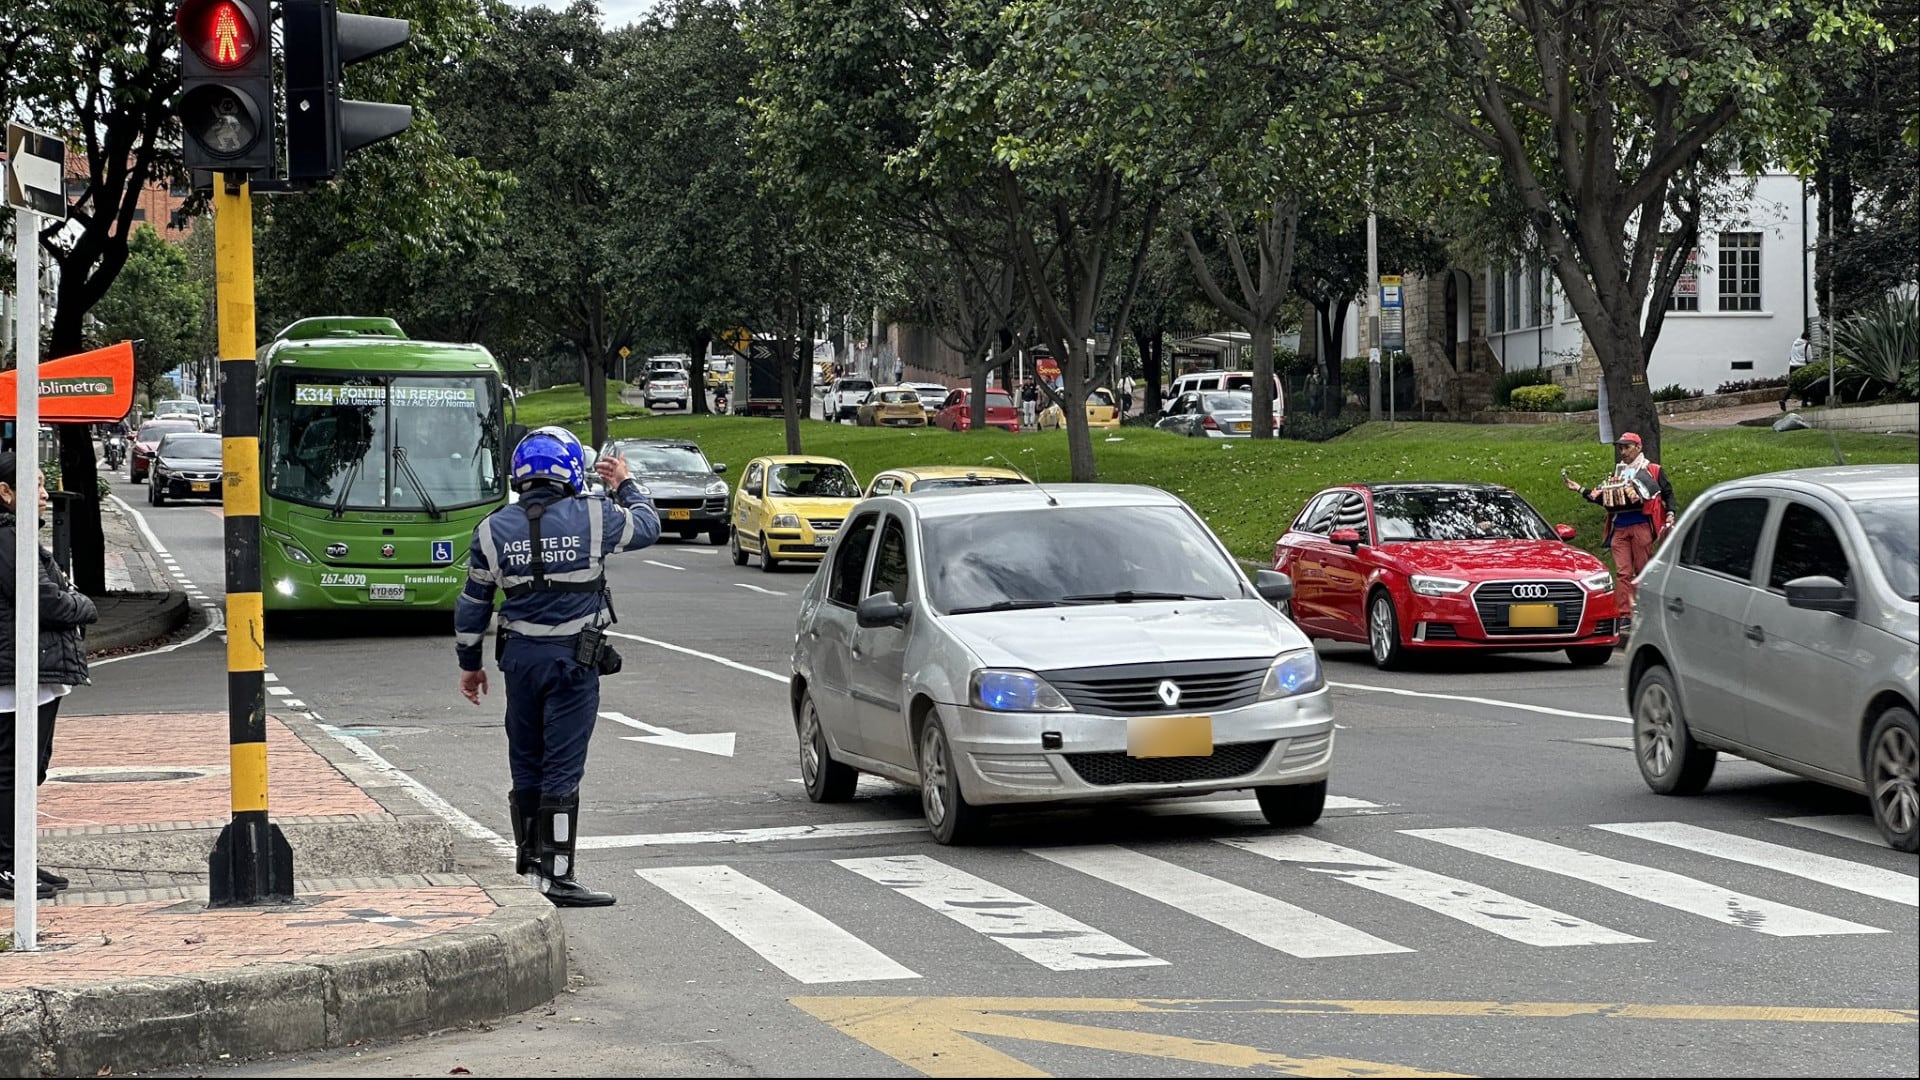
(1530, 592)
(1169, 693)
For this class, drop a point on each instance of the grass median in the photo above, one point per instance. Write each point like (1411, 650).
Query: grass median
(1249, 491)
(566, 405)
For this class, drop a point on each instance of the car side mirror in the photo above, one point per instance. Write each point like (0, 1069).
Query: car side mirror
(881, 609)
(1349, 537)
(1820, 593)
(1272, 585)
(754, 490)
(719, 466)
(1565, 532)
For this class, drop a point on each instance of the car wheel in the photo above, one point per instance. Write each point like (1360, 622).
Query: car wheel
(1589, 655)
(1670, 761)
(1383, 632)
(155, 494)
(1893, 771)
(767, 561)
(827, 780)
(718, 535)
(1292, 805)
(734, 549)
(952, 819)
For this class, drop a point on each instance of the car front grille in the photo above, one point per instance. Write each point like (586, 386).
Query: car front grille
(1115, 767)
(824, 524)
(1603, 627)
(1132, 689)
(1493, 598)
(196, 477)
(1441, 631)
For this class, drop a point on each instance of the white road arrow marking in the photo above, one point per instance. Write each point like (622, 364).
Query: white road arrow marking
(719, 745)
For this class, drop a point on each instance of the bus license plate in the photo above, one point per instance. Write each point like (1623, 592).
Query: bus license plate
(386, 592)
(202, 485)
(679, 515)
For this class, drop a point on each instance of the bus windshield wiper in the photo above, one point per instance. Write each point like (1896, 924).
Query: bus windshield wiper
(426, 500)
(1128, 596)
(346, 488)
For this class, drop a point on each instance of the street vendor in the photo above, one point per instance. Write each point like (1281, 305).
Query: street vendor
(1639, 501)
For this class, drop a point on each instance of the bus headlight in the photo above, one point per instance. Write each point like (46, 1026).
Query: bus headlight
(294, 554)
(284, 586)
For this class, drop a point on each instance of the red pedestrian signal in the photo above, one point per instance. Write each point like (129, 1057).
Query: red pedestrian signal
(220, 32)
(226, 85)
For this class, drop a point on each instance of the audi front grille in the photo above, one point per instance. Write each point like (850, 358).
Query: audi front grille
(1492, 599)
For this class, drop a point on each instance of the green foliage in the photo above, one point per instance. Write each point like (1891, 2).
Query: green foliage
(1306, 427)
(1353, 371)
(567, 406)
(1541, 397)
(1249, 489)
(1675, 392)
(1580, 405)
(1507, 381)
(155, 300)
(1736, 386)
(1882, 342)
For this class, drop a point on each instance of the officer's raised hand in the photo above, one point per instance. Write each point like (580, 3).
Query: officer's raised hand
(473, 684)
(612, 470)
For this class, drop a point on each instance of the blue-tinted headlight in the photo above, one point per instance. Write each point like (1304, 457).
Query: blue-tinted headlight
(1012, 690)
(1293, 673)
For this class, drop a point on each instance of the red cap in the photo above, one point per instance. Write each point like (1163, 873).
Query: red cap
(1628, 437)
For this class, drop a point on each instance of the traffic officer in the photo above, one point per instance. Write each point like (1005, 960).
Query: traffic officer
(546, 553)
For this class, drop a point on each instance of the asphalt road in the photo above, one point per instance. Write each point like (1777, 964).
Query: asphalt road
(1491, 843)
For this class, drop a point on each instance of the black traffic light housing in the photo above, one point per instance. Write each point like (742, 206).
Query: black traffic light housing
(319, 44)
(226, 84)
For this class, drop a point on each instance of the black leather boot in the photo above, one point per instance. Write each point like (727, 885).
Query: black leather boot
(522, 808)
(559, 834)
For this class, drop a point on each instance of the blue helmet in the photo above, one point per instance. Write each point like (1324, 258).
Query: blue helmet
(552, 454)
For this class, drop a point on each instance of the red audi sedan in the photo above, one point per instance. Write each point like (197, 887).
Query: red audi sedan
(1429, 567)
(956, 413)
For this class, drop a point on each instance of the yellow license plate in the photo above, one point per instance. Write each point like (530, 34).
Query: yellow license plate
(1169, 736)
(1534, 615)
(1242, 425)
(679, 515)
(205, 486)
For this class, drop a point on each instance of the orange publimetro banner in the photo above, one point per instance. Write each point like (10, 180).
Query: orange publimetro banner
(88, 387)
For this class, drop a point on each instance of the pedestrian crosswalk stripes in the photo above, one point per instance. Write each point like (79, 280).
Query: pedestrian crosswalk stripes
(1033, 930)
(1475, 905)
(1658, 886)
(1849, 826)
(1264, 919)
(1290, 914)
(1839, 873)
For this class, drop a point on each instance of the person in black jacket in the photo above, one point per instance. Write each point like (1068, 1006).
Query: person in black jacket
(63, 662)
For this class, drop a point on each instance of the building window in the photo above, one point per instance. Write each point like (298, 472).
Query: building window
(1497, 303)
(139, 213)
(1533, 297)
(1740, 271)
(1686, 288)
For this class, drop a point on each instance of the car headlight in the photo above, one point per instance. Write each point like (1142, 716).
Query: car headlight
(718, 487)
(1296, 672)
(1436, 586)
(784, 521)
(1013, 690)
(294, 554)
(1600, 582)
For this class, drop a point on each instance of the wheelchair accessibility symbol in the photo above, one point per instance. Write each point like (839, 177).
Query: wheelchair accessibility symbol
(443, 551)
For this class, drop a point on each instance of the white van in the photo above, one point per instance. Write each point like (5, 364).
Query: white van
(1228, 380)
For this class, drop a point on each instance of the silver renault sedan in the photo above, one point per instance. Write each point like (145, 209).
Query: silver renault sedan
(1781, 622)
(1010, 645)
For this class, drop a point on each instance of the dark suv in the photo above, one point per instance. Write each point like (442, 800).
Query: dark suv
(685, 486)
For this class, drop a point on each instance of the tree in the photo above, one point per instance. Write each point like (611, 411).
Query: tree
(1330, 272)
(157, 302)
(1868, 174)
(1590, 109)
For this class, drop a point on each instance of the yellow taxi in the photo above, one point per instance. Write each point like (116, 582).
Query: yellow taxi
(789, 508)
(891, 406)
(1103, 412)
(932, 477)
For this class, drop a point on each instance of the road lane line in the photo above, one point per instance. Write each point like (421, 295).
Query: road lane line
(1032, 929)
(1839, 873)
(758, 589)
(1846, 826)
(721, 660)
(790, 936)
(140, 521)
(1497, 703)
(1260, 918)
(216, 624)
(657, 562)
(1647, 883)
(1476, 905)
(770, 834)
(424, 795)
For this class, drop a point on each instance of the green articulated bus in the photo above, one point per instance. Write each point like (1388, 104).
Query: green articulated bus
(379, 454)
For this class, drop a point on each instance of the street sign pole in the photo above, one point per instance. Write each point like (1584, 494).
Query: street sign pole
(251, 862)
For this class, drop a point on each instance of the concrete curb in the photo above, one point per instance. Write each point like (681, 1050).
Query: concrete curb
(134, 618)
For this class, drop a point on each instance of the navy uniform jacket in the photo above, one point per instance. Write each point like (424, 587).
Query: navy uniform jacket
(577, 532)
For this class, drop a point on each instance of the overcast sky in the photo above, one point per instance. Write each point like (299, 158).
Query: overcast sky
(613, 13)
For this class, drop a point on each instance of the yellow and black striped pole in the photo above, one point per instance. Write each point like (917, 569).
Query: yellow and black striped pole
(251, 863)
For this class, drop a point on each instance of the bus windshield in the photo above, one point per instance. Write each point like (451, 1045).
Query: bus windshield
(357, 441)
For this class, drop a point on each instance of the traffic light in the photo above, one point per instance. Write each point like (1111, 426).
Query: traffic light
(320, 43)
(226, 84)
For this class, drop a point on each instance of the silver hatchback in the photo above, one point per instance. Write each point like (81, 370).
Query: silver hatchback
(1781, 622)
(1025, 645)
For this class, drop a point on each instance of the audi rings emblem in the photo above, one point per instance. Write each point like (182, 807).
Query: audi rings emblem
(1529, 592)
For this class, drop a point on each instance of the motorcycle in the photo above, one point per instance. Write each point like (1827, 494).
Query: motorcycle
(116, 450)
(720, 401)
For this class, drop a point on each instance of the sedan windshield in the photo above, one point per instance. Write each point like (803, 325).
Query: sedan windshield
(181, 445)
(665, 459)
(808, 480)
(1889, 528)
(1456, 514)
(152, 432)
(1073, 555)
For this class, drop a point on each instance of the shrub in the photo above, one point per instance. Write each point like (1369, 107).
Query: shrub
(1503, 386)
(1353, 373)
(1585, 404)
(1882, 342)
(1543, 398)
(1735, 386)
(1306, 427)
(1675, 392)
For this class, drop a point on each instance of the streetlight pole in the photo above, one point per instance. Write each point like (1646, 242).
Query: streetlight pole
(1373, 298)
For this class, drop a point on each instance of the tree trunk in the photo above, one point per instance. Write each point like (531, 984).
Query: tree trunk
(697, 350)
(1623, 367)
(977, 407)
(1263, 426)
(1332, 315)
(1080, 463)
(78, 474)
(790, 405)
(1149, 341)
(596, 386)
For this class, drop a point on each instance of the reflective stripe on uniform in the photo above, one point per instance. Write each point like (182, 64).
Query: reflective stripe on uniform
(596, 535)
(529, 628)
(515, 581)
(483, 536)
